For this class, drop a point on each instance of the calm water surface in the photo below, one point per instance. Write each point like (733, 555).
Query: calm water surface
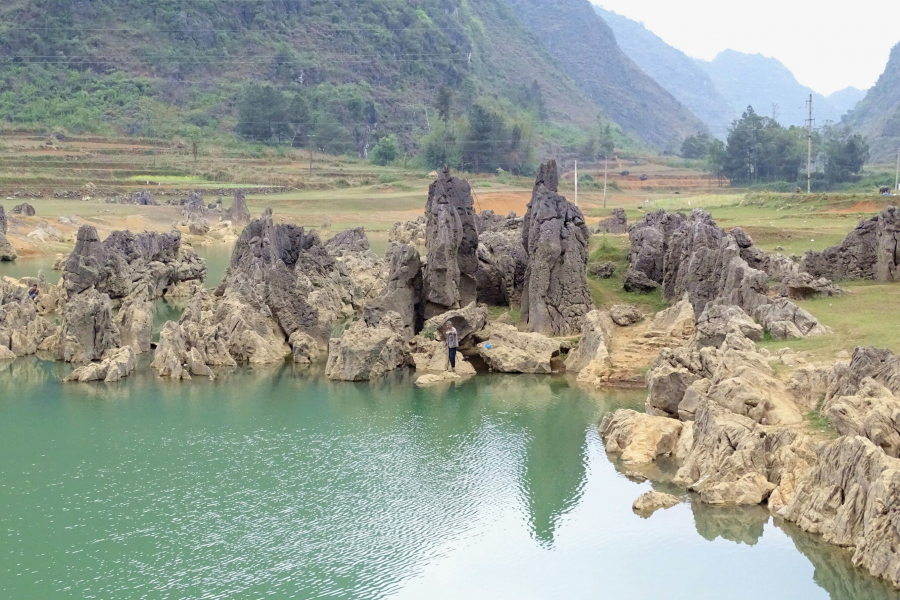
(278, 483)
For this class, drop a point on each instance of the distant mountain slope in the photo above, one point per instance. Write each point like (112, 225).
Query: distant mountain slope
(758, 81)
(160, 69)
(846, 99)
(675, 71)
(877, 116)
(586, 48)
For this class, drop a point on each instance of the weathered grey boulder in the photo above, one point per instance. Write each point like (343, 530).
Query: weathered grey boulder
(718, 320)
(199, 225)
(802, 286)
(305, 349)
(135, 323)
(879, 364)
(649, 243)
(507, 350)
(366, 270)
(849, 498)
(238, 214)
(24, 209)
(144, 198)
(616, 224)
(363, 353)
(488, 221)
(638, 437)
(784, 320)
(502, 262)
(625, 315)
(46, 233)
(116, 365)
(451, 240)
(175, 358)
(603, 271)
(555, 296)
(403, 292)
(468, 321)
(147, 265)
(652, 501)
(637, 282)
(868, 252)
(193, 206)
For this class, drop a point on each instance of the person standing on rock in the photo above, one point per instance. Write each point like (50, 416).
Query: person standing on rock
(33, 292)
(452, 344)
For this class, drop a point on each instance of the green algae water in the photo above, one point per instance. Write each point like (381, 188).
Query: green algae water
(278, 483)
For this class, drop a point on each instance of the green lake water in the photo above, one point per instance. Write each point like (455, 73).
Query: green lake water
(276, 483)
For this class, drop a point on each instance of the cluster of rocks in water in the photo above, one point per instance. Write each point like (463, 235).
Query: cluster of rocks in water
(716, 405)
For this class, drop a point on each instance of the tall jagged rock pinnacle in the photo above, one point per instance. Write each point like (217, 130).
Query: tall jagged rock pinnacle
(451, 241)
(555, 296)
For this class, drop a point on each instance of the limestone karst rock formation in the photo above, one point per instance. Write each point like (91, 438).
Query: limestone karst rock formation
(451, 241)
(238, 214)
(871, 251)
(363, 353)
(115, 365)
(638, 437)
(88, 329)
(555, 295)
(22, 329)
(144, 198)
(149, 265)
(7, 252)
(488, 220)
(695, 257)
(403, 292)
(408, 232)
(615, 224)
(502, 263)
(367, 271)
(135, 323)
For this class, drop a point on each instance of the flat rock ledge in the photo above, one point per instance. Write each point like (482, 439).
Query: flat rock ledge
(652, 501)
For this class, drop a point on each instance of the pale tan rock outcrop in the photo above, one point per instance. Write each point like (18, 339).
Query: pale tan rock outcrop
(677, 321)
(850, 498)
(593, 349)
(430, 355)
(22, 329)
(513, 351)
(873, 412)
(625, 315)
(735, 461)
(88, 330)
(432, 379)
(363, 353)
(116, 365)
(652, 501)
(639, 437)
(176, 359)
(468, 321)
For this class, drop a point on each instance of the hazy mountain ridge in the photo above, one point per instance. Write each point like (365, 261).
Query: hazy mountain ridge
(586, 48)
(877, 116)
(675, 71)
(760, 81)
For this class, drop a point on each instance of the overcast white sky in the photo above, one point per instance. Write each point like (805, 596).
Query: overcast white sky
(828, 45)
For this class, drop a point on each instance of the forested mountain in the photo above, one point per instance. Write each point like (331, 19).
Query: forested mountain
(586, 48)
(845, 100)
(767, 85)
(341, 72)
(678, 73)
(877, 116)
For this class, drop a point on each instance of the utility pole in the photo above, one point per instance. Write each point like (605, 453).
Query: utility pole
(310, 153)
(576, 183)
(897, 176)
(605, 173)
(809, 150)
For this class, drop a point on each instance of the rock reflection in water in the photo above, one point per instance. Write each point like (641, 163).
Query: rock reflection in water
(739, 524)
(833, 570)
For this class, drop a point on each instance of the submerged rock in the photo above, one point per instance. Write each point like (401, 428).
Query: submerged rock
(652, 501)
(555, 296)
(116, 365)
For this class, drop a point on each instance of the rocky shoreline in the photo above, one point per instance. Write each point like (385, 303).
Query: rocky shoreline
(716, 405)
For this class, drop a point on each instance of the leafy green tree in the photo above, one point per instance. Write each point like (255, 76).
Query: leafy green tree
(715, 158)
(759, 149)
(845, 154)
(443, 103)
(262, 114)
(387, 150)
(483, 148)
(696, 146)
